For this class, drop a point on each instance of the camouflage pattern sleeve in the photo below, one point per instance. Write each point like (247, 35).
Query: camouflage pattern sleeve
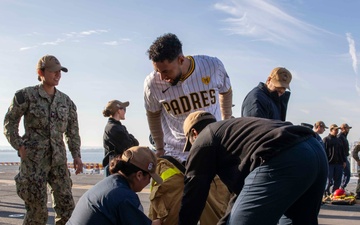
(12, 119)
(72, 135)
(355, 153)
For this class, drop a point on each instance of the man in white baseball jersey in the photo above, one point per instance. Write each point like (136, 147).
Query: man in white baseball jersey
(178, 86)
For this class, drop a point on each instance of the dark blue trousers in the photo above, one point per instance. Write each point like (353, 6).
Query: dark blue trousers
(346, 174)
(334, 178)
(290, 184)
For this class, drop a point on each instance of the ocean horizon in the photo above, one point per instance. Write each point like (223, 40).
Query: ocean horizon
(88, 155)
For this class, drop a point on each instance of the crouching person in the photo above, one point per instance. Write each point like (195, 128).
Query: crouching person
(275, 168)
(113, 200)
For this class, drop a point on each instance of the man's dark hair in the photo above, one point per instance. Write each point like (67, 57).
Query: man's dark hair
(165, 47)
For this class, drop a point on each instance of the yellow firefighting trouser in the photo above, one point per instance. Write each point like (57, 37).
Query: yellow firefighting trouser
(165, 199)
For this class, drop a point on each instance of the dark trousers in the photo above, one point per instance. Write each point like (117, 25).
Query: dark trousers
(334, 178)
(290, 184)
(346, 174)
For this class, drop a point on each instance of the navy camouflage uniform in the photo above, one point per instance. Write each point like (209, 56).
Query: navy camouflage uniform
(46, 120)
(355, 155)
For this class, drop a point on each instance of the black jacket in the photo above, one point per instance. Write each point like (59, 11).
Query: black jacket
(343, 137)
(116, 139)
(232, 149)
(334, 149)
(259, 102)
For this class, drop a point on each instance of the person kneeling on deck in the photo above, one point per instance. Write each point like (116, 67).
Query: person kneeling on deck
(113, 200)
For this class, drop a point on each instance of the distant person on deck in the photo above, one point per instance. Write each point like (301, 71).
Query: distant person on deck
(116, 137)
(113, 200)
(355, 155)
(336, 158)
(319, 128)
(49, 115)
(269, 100)
(345, 129)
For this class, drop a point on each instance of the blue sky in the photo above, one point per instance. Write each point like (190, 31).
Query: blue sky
(104, 44)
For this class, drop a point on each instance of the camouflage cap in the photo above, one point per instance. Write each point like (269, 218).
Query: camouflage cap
(51, 63)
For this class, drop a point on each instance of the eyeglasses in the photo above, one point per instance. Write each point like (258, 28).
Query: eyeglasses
(123, 109)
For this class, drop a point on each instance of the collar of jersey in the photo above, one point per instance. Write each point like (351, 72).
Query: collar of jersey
(191, 68)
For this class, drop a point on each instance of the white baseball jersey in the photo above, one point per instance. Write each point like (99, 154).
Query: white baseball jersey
(198, 91)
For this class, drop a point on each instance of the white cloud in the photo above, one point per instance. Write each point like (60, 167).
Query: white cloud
(72, 36)
(124, 40)
(352, 51)
(306, 111)
(264, 21)
(85, 33)
(53, 42)
(121, 41)
(111, 43)
(32, 34)
(357, 88)
(341, 104)
(27, 48)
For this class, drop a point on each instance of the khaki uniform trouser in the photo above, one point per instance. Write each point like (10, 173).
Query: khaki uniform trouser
(165, 199)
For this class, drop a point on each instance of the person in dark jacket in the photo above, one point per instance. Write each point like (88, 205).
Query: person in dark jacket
(336, 159)
(116, 137)
(319, 128)
(269, 100)
(275, 168)
(113, 200)
(345, 129)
